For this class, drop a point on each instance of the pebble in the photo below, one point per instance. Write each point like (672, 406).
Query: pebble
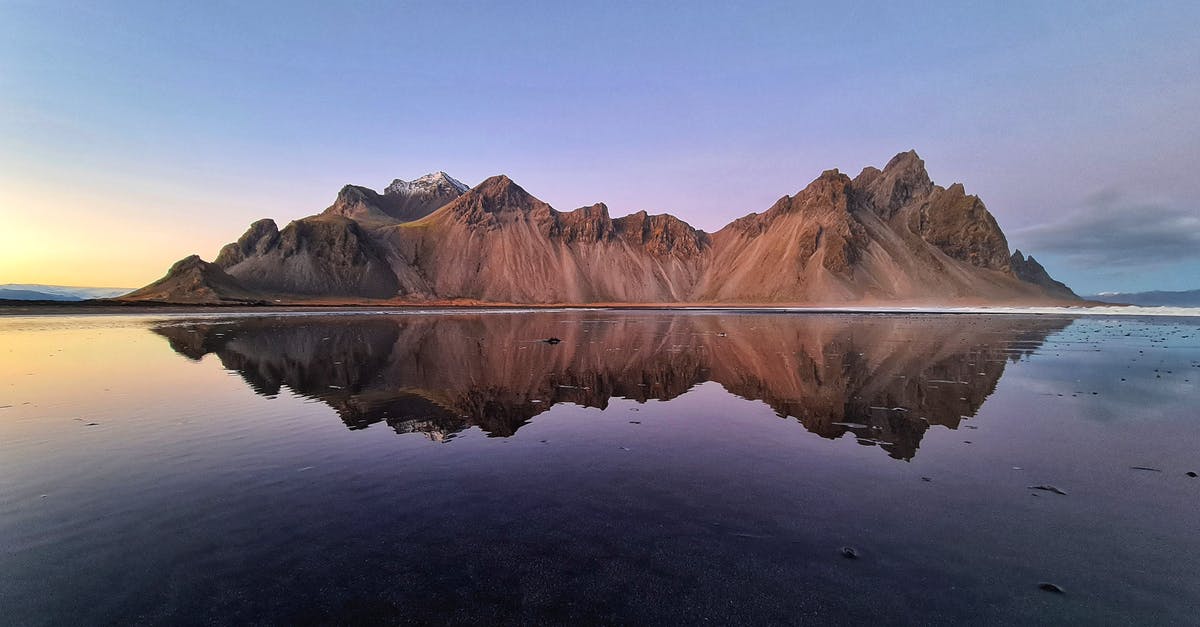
(1048, 488)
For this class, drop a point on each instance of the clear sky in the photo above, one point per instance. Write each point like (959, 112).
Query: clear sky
(135, 133)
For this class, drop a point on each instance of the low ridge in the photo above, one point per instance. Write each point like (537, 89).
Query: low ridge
(193, 281)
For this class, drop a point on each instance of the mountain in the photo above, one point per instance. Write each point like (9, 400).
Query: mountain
(11, 294)
(33, 291)
(400, 201)
(1028, 269)
(885, 236)
(1189, 298)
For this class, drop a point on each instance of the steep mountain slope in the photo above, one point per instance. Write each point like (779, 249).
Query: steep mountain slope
(887, 235)
(499, 243)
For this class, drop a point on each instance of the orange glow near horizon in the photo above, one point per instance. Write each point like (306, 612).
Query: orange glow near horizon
(56, 237)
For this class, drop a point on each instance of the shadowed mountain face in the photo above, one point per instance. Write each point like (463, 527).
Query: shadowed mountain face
(1029, 270)
(884, 379)
(884, 236)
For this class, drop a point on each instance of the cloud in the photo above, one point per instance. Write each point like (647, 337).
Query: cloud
(1116, 233)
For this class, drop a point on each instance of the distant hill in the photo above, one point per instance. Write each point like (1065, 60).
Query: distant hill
(1189, 298)
(34, 291)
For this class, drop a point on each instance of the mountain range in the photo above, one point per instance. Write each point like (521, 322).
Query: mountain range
(885, 236)
(1186, 298)
(35, 291)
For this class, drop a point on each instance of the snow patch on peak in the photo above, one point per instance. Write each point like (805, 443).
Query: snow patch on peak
(430, 183)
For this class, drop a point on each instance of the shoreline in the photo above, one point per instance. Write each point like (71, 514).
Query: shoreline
(9, 309)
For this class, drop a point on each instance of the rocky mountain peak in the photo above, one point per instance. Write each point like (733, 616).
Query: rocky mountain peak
(499, 193)
(433, 183)
(355, 193)
(828, 191)
(258, 239)
(901, 180)
(402, 201)
(1029, 270)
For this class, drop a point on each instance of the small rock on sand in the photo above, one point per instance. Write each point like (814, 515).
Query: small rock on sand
(1048, 488)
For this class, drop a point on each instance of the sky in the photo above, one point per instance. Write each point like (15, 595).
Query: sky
(135, 133)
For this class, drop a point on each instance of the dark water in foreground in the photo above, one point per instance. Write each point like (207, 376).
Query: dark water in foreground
(651, 467)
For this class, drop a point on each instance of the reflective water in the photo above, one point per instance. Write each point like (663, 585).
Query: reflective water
(650, 467)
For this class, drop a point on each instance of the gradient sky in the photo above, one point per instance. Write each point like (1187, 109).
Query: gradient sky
(136, 133)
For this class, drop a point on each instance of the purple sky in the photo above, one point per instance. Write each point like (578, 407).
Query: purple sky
(133, 135)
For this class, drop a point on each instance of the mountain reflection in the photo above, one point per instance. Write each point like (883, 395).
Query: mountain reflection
(883, 378)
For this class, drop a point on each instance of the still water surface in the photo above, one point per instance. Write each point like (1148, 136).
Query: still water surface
(650, 467)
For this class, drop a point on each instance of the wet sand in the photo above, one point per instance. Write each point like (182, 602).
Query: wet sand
(669, 467)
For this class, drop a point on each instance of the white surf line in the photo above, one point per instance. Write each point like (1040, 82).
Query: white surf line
(1115, 310)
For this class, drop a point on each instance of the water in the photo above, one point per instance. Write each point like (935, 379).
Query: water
(650, 467)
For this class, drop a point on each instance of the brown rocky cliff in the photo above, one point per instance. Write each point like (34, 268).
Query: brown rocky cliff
(661, 235)
(586, 224)
(261, 237)
(955, 223)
